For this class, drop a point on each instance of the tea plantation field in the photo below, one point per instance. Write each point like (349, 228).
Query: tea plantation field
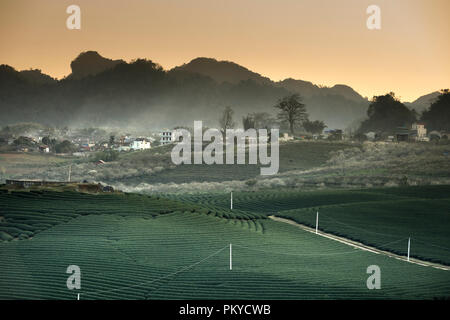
(372, 216)
(148, 247)
(426, 222)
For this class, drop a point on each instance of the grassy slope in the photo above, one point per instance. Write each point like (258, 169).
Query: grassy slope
(293, 156)
(128, 240)
(28, 163)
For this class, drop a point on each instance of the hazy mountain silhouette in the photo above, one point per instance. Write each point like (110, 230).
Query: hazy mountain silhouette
(304, 88)
(37, 77)
(101, 91)
(226, 71)
(91, 63)
(222, 71)
(423, 102)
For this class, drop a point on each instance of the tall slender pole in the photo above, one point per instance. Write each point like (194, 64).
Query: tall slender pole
(317, 221)
(409, 246)
(78, 296)
(231, 204)
(231, 259)
(70, 171)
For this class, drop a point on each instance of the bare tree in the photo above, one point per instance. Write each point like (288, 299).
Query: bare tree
(248, 122)
(291, 111)
(226, 120)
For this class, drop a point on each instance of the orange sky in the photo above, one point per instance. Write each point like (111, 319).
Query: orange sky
(323, 41)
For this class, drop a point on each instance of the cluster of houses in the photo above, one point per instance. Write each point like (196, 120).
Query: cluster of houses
(30, 144)
(329, 134)
(127, 143)
(86, 144)
(417, 132)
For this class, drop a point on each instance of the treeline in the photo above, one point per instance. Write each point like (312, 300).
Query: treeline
(142, 94)
(291, 116)
(386, 113)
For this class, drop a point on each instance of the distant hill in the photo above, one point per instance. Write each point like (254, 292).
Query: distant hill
(37, 77)
(102, 92)
(226, 71)
(423, 102)
(222, 71)
(341, 101)
(308, 89)
(91, 63)
(33, 76)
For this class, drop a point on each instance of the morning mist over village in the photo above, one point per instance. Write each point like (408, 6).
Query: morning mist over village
(227, 156)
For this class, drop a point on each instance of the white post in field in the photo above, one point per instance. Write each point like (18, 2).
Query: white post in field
(231, 259)
(70, 171)
(78, 296)
(317, 221)
(231, 203)
(409, 246)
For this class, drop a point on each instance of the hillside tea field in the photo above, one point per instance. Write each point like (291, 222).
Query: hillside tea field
(372, 216)
(131, 246)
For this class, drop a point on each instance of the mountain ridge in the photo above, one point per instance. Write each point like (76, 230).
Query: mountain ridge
(102, 90)
(90, 62)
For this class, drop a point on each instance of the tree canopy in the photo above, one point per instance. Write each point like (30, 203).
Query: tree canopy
(291, 110)
(314, 127)
(386, 113)
(65, 147)
(437, 117)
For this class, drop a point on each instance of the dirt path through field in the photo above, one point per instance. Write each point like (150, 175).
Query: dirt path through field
(361, 246)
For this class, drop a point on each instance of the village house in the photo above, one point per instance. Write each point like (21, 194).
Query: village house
(140, 144)
(333, 134)
(371, 135)
(123, 148)
(417, 132)
(169, 136)
(125, 140)
(44, 149)
(286, 137)
(166, 137)
(85, 147)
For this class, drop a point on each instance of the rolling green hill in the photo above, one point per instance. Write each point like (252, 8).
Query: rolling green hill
(139, 247)
(372, 216)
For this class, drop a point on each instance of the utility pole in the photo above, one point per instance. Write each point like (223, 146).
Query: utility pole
(409, 247)
(70, 171)
(231, 203)
(231, 259)
(317, 222)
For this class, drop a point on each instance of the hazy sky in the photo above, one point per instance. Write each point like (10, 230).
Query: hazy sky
(323, 41)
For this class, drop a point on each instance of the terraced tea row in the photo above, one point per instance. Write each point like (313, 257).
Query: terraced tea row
(23, 214)
(269, 202)
(185, 256)
(371, 216)
(426, 222)
(141, 247)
